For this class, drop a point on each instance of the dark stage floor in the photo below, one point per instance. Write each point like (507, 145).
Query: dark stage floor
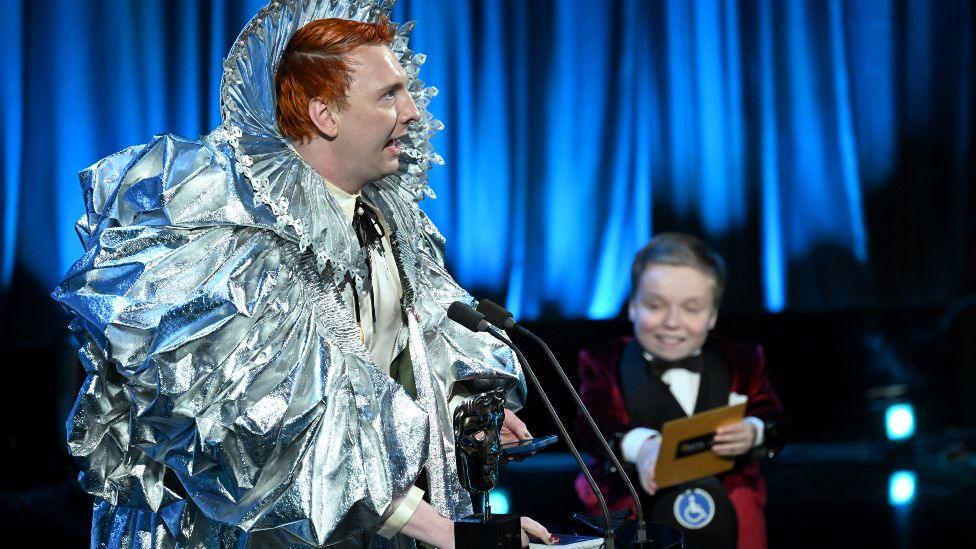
(820, 495)
(827, 494)
(854, 495)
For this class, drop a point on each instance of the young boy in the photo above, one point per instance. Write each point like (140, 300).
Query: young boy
(672, 368)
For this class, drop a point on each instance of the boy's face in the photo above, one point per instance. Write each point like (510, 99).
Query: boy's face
(673, 309)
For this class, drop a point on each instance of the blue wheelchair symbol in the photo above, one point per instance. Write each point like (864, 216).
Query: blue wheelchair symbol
(694, 509)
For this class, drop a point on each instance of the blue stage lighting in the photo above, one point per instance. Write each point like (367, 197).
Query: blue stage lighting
(498, 499)
(900, 421)
(901, 488)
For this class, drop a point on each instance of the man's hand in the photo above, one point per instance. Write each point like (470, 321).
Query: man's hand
(735, 439)
(514, 429)
(531, 527)
(646, 460)
(430, 527)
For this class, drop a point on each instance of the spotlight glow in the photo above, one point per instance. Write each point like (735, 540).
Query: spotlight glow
(900, 421)
(498, 499)
(901, 488)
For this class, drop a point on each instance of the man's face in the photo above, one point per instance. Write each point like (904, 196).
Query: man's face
(673, 309)
(376, 115)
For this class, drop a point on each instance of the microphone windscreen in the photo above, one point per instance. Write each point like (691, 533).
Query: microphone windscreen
(496, 314)
(466, 316)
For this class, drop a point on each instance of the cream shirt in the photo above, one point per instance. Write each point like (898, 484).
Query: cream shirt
(380, 338)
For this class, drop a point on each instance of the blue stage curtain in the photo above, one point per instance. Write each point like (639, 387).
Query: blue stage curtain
(825, 147)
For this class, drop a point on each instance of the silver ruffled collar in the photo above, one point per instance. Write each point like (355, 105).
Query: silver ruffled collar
(304, 210)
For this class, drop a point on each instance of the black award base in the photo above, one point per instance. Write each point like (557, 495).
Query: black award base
(497, 532)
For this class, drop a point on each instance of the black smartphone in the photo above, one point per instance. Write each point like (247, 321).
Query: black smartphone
(528, 446)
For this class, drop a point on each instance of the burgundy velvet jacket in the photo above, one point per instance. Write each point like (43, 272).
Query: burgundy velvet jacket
(601, 391)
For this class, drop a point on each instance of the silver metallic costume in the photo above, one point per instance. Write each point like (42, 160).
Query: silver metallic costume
(229, 397)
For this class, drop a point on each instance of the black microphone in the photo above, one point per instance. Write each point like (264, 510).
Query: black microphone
(467, 317)
(504, 319)
(496, 314)
(473, 320)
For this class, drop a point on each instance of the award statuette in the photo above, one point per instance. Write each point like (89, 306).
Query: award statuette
(477, 439)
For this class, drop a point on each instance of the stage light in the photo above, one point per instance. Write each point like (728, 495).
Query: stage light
(900, 421)
(498, 499)
(901, 488)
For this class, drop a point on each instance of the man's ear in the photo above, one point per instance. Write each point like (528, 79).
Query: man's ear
(323, 117)
(713, 320)
(631, 311)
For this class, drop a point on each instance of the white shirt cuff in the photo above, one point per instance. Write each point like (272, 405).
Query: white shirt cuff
(401, 515)
(760, 430)
(631, 444)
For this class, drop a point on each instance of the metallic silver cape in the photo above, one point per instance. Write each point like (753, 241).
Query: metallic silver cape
(229, 399)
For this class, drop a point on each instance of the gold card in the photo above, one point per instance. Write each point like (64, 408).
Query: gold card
(686, 446)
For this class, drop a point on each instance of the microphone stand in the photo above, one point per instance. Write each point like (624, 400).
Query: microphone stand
(475, 321)
(502, 318)
(608, 534)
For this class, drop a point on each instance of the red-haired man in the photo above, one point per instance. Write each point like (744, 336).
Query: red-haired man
(342, 100)
(262, 313)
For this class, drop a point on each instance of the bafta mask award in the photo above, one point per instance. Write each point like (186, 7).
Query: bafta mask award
(477, 438)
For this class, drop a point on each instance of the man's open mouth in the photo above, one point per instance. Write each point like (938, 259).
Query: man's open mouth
(394, 145)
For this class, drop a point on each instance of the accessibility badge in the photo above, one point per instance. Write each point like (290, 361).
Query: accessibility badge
(694, 508)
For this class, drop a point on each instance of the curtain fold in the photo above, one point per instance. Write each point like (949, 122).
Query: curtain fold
(824, 147)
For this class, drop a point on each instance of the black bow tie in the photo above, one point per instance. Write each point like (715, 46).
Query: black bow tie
(369, 232)
(366, 224)
(659, 366)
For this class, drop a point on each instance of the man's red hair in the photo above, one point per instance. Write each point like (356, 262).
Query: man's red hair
(315, 65)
